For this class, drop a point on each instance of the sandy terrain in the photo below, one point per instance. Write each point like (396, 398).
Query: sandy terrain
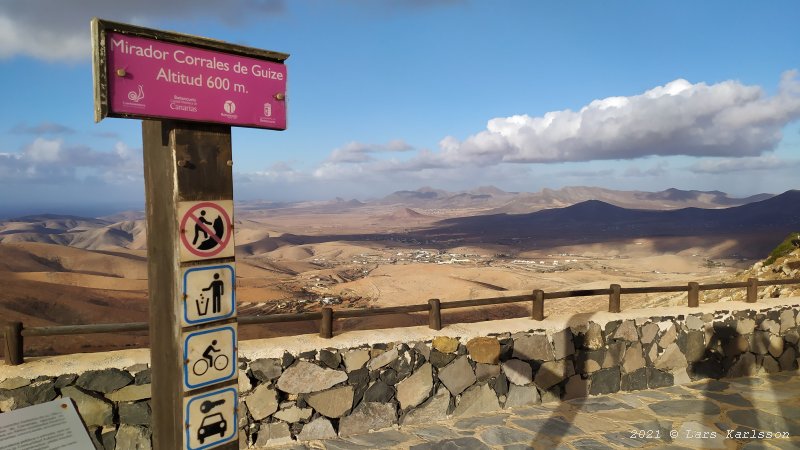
(296, 259)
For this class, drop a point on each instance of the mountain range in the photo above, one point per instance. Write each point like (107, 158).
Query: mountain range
(494, 200)
(577, 213)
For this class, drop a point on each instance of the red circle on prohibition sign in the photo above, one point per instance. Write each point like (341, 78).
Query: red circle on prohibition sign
(221, 243)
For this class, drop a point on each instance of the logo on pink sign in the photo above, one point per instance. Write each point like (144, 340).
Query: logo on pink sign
(152, 78)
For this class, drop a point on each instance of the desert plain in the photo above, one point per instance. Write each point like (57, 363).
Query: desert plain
(402, 249)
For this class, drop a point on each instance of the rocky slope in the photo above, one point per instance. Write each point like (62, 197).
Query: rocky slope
(782, 263)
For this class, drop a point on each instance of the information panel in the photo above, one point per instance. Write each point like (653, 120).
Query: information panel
(154, 78)
(46, 426)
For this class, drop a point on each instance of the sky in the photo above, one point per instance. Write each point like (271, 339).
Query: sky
(401, 94)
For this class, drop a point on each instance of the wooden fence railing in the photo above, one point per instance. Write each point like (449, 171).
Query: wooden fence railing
(14, 332)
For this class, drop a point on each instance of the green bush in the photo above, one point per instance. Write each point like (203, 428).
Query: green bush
(783, 249)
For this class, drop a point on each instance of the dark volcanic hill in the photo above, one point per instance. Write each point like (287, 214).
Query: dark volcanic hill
(596, 221)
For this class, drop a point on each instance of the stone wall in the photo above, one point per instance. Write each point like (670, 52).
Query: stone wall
(344, 389)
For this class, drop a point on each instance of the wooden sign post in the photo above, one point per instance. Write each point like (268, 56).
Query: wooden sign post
(190, 91)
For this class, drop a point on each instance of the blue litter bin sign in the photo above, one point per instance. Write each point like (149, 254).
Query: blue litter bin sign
(208, 293)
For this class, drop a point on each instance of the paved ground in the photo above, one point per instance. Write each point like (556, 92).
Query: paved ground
(711, 414)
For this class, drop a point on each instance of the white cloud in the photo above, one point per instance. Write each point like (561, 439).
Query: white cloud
(43, 151)
(42, 128)
(728, 165)
(679, 118)
(51, 161)
(659, 169)
(55, 30)
(356, 152)
(727, 119)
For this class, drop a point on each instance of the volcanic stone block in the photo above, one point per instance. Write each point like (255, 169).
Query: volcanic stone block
(634, 381)
(484, 350)
(415, 389)
(378, 392)
(500, 385)
(745, 326)
(563, 344)
(132, 437)
(759, 342)
(33, 394)
(614, 354)
(657, 378)
(458, 375)
(432, 410)
(576, 387)
(522, 396)
(305, 377)
(486, 371)
(735, 346)
(744, 366)
(535, 347)
(671, 359)
(770, 364)
(605, 381)
(477, 400)
(633, 359)
(384, 359)
(439, 359)
(332, 403)
(366, 417)
(775, 347)
(266, 369)
(694, 323)
(668, 338)
(695, 346)
(330, 358)
(593, 338)
(553, 372)
(627, 332)
(293, 414)
(105, 381)
(262, 402)
(273, 434)
(518, 372)
(787, 319)
(14, 383)
(319, 428)
(355, 359)
(787, 359)
(130, 393)
(95, 412)
(649, 332)
(771, 325)
(445, 344)
(135, 413)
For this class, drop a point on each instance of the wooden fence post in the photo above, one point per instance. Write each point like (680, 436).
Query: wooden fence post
(614, 299)
(12, 334)
(434, 314)
(694, 294)
(752, 290)
(537, 311)
(326, 323)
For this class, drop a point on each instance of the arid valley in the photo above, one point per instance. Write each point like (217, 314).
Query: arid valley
(402, 249)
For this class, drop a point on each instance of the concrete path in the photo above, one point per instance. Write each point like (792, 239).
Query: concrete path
(727, 414)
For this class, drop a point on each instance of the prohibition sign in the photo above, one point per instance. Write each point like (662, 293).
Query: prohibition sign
(216, 237)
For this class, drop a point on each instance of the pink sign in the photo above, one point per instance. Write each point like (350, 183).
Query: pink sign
(151, 78)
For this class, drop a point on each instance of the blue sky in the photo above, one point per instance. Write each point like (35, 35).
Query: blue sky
(399, 94)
